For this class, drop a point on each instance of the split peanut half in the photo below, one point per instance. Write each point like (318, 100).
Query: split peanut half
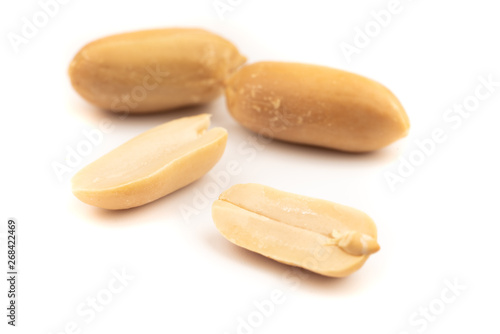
(151, 165)
(318, 235)
(154, 70)
(315, 105)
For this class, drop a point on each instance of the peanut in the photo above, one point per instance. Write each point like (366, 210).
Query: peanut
(315, 105)
(153, 70)
(318, 235)
(151, 165)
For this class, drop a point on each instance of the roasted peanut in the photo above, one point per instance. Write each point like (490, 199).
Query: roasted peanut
(151, 165)
(315, 105)
(318, 235)
(154, 70)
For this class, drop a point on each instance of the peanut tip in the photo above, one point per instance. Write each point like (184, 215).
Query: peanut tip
(355, 243)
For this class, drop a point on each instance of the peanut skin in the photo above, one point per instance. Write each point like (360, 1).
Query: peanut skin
(154, 70)
(315, 105)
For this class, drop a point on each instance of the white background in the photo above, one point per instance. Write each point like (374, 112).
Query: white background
(441, 224)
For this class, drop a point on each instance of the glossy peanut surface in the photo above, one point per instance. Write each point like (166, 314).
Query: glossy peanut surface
(316, 105)
(151, 165)
(154, 70)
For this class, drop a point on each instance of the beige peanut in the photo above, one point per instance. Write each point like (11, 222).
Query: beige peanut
(151, 165)
(318, 235)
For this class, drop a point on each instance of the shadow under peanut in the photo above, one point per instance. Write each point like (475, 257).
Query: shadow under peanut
(302, 279)
(164, 209)
(382, 156)
(120, 119)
